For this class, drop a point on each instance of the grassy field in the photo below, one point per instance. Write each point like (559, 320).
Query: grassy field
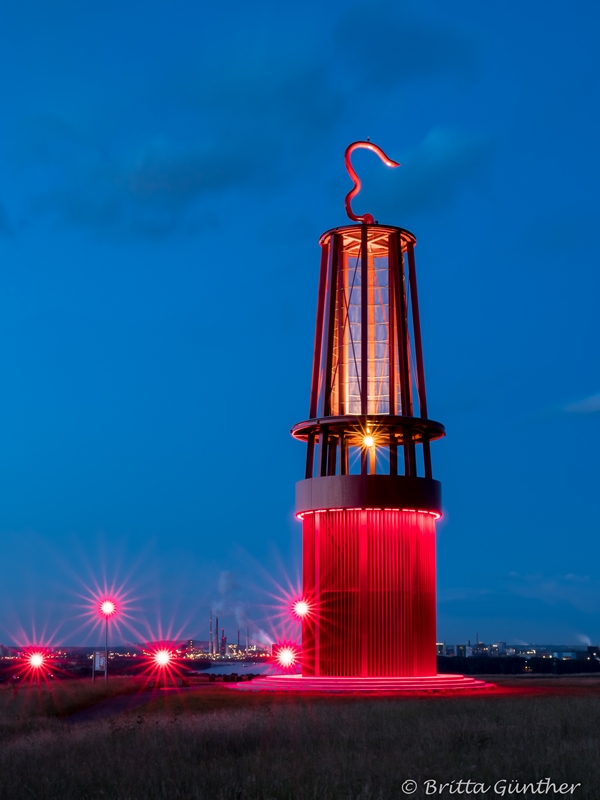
(27, 702)
(216, 743)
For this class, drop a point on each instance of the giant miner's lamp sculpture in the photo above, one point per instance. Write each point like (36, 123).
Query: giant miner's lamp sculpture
(368, 502)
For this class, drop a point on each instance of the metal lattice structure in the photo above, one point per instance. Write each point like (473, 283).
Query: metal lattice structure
(368, 501)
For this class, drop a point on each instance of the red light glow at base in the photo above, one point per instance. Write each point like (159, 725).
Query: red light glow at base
(286, 656)
(36, 660)
(279, 618)
(301, 609)
(163, 657)
(35, 663)
(163, 662)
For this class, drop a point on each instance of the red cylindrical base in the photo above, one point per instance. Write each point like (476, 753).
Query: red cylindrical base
(369, 577)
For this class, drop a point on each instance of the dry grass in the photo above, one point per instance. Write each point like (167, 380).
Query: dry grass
(28, 701)
(216, 744)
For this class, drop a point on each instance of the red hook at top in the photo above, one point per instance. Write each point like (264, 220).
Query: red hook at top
(366, 218)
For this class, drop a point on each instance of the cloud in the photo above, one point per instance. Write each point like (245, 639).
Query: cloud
(577, 578)
(228, 605)
(579, 591)
(590, 405)
(227, 583)
(440, 166)
(241, 112)
(150, 192)
(575, 590)
(387, 43)
(431, 175)
(243, 122)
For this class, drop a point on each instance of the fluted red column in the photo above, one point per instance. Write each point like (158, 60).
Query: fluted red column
(370, 575)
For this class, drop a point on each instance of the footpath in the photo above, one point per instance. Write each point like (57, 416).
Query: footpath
(121, 704)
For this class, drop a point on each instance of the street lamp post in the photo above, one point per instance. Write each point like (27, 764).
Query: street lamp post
(107, 608)
(36, 663)
(162, 659)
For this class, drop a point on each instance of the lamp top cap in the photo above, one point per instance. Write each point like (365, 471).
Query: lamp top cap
(366, 219)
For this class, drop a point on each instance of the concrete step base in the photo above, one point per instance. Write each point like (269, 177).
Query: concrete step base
(298, 683)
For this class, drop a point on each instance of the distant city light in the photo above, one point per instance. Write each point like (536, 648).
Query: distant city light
(108, 608)
(286, 657)
(36, 660)
(163, 657)
(301, 608)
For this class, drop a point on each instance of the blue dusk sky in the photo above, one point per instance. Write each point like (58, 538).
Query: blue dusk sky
(166, 171)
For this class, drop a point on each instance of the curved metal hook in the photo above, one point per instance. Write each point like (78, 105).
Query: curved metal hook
(366, 218)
